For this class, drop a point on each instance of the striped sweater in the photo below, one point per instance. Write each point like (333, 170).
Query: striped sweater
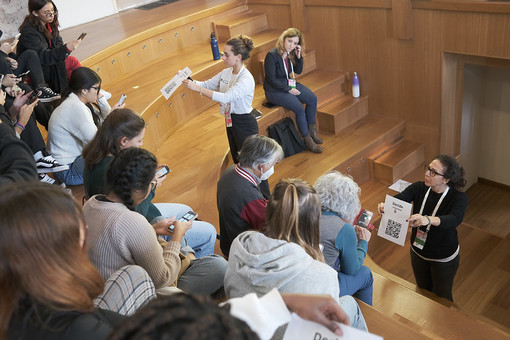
(118, 237)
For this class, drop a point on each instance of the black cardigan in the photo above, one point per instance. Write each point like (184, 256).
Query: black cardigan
(275, 79)
(442, 240)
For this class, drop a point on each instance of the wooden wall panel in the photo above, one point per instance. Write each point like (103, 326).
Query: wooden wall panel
(278, 16)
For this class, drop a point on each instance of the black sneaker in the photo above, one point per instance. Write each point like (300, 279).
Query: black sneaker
(46, 95)
(49, 164)
(47, 179)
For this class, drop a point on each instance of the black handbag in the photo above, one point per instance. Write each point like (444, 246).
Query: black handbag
(285, 133)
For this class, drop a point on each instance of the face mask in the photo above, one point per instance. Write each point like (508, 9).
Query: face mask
(267, 174)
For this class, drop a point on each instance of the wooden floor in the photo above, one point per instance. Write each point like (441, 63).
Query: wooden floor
(482, 285)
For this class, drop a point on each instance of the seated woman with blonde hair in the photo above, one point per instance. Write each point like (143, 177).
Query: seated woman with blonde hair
(49, 289)
(287, 257)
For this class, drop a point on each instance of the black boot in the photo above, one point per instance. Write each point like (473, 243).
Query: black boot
(313, 133)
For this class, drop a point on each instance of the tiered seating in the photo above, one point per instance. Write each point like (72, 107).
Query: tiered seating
(187, 133)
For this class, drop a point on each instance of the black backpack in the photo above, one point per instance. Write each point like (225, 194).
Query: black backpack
(285, 133)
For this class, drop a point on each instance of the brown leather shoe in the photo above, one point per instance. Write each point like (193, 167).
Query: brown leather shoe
(313, 132)
(310, 145)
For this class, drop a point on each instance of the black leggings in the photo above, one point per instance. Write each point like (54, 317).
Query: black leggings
(436, 277)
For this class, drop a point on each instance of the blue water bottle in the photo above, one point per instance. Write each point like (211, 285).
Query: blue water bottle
(214, 47)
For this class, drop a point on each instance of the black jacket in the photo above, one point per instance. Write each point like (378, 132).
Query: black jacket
(52, 54)
(275, 79)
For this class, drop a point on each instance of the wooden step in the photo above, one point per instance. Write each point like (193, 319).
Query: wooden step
(341, 112)
(400, 160)
(324, 83)
(426, 316)
(243, 23)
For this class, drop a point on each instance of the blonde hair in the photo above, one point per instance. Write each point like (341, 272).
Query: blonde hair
(290, 33)
(293, 215)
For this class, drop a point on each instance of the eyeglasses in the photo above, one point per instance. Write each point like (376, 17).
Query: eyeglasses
(97, 88)
(49, 14)
(433, 172)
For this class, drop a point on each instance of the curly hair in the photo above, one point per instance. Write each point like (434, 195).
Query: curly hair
(293, 215)
(131, 171)
(242, 45)
(339, 194)
(183, 316)
(452, 171)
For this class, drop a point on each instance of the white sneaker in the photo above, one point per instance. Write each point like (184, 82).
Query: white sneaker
(46, 164)
(47, 179)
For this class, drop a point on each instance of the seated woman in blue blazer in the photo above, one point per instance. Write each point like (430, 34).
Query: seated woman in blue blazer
(281, 88)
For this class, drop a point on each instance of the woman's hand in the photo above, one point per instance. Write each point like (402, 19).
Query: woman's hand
(294, 91)
(7, 47)
(380, 208)
(417, 220)
(2, 97)
(10, 80)
(317, 308)
(297, 50)
(159, 179)
(161, 227)
(118, 106)
(73, 44)
(190, 84)
(26, 111)
(180, 229)
(20, 99)
(362, 233)
(13, 62)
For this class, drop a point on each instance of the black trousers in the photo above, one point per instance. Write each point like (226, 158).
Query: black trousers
(243, 126)
(436, 277)
(29, 60)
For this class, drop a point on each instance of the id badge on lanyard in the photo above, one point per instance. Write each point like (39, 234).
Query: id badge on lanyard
(290, 81)
(421, 236)
(225, 108)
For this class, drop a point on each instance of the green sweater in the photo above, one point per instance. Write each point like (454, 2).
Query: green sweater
(95, 183)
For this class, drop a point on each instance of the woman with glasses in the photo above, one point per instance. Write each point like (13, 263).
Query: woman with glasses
(120, 236)
(438, 209)
(40, 32)
(73, 124)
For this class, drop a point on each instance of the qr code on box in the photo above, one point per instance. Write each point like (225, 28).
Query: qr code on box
(393, 228)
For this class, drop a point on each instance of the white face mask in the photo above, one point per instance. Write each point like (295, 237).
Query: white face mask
(267, 174)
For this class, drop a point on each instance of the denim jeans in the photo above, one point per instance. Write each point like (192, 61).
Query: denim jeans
(73, 176)
(351, 308)
(304, 116)
(359, 285)
(202, 235)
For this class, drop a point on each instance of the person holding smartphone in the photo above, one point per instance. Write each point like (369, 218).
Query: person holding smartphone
(345, 245)
(40, 32)
(281, 88)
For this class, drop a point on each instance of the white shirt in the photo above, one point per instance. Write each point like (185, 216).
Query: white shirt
(71, 127)
(239, 94)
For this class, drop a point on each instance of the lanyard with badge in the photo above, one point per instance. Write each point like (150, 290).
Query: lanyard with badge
(290, 81)
(421, 236)
(225, 108)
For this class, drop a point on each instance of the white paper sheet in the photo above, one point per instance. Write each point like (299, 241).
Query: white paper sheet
(394, 225)
(308, 330)
(175, 82)
(399, 185)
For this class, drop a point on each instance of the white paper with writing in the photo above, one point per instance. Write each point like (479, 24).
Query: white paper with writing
(308, 330)
(394, 225)
(399, 185)
(175, 82)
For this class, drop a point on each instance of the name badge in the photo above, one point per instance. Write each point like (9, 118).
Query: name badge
(292, 83)
(419, 240)
(228, 119)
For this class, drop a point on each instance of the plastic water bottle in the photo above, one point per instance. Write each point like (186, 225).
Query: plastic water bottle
(214, 47)
(355, 85)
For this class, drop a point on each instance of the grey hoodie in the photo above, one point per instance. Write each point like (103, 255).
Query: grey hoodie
(258, 264)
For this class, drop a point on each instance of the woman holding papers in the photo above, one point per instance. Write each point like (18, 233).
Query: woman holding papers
(438, 208)
(233, 89)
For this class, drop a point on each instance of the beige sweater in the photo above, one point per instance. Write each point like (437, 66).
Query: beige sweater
(118, 237)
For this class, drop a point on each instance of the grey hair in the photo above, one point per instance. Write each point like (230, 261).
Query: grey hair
(340, 194)
(258, 149)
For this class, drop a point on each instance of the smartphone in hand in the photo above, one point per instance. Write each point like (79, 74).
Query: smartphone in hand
(82, 36)
(163, 171)
(122, 99)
